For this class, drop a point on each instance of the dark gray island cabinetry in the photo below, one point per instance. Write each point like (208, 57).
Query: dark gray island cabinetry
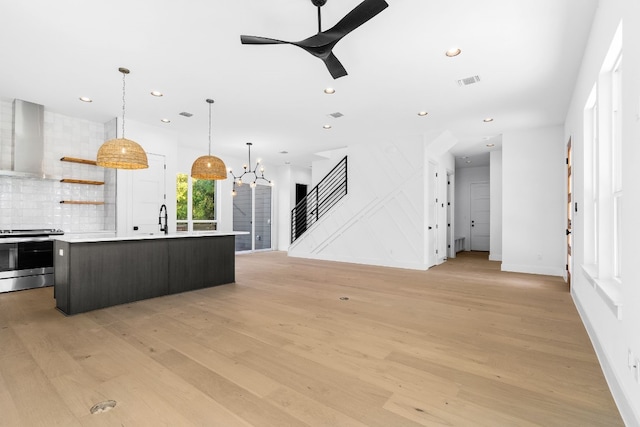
(97, 273)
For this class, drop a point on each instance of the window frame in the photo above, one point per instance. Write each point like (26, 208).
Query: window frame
(603, 179)
(191, 223)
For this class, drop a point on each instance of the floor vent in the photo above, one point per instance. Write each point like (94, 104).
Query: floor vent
(101, 407)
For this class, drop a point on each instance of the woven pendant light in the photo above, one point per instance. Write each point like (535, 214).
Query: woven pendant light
(209, 167)
(122, 153)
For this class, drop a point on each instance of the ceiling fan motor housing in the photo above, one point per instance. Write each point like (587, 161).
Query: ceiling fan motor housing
(319, 3)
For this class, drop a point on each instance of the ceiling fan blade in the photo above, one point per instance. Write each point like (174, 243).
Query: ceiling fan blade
(260, 40)
(335, 67)
(322, 43)
(358, 16)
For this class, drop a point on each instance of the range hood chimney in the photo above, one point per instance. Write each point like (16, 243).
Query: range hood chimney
(27, 138)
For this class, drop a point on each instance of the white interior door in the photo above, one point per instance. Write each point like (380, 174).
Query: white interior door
(432, 206)
(451, 252)
(480, 214)
(148, 195)
(569, 213)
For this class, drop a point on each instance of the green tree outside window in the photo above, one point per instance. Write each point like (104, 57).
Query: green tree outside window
(203, 207)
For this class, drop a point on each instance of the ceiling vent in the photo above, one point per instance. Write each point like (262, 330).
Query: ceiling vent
(336, 115)
(468, 81)
(185, 114)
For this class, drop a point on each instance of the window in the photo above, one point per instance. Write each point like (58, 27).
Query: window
(195, 204)
(603, 175)
(616, 163)
(591, 179)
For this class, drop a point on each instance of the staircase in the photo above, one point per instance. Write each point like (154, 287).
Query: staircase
(320, 200)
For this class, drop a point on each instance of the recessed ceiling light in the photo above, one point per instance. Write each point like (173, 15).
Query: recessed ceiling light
(329, 91)
(327, 126)
(165, 120)
(85, 99)
(422, 113)
(453, 52)
(156, 93)
(488, 120)
(491, 145)
(468, 161)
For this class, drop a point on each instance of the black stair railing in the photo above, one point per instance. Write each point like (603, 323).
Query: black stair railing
(320, 200)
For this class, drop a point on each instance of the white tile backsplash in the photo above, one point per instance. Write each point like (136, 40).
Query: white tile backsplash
(35, 203)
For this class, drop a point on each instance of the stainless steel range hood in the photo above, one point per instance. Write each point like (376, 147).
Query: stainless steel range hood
(27, 141)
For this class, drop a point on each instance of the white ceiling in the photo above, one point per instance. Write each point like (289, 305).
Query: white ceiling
(526, 53)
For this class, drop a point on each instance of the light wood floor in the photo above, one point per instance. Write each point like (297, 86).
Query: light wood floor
(461, 344)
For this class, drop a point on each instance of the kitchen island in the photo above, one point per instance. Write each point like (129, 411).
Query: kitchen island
(98, 272)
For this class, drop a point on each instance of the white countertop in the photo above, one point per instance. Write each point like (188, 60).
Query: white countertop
(111, 238)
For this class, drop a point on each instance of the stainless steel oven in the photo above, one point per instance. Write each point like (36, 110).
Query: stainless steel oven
(26, 259)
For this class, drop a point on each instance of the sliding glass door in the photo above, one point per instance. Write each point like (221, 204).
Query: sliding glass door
(252, 213)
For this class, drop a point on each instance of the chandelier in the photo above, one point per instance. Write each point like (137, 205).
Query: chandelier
(252, 175)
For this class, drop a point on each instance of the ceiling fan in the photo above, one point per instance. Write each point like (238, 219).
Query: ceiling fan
(321, 44)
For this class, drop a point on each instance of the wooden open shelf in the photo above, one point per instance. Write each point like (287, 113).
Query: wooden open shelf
(77, 160)
(78, 202)
(81, 181)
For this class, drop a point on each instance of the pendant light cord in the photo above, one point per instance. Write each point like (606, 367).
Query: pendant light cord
(123, 103)
(209, 126)
(124, 72)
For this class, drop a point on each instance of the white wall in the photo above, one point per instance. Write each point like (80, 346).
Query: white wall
(288, 177)
(320, 168)
(533, 210)
(613, 336)
(382, 219)
(495, 174)
(464, 178)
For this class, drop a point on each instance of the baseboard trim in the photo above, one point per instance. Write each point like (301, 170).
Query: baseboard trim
(533, 269)
(625, 407)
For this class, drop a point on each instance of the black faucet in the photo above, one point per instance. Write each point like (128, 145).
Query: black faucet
(164, 228)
